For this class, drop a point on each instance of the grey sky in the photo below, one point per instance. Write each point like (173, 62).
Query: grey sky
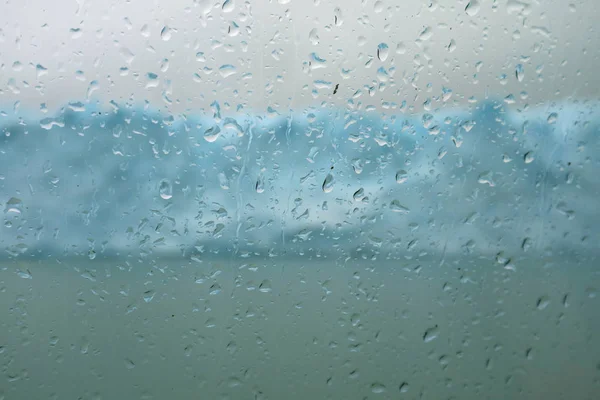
(432, 45)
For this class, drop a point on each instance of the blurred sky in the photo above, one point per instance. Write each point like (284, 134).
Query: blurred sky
(434, 47)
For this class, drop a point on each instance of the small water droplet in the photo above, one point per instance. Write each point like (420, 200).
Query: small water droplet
(265, 286)
(552, 118)
(165, 189)
(129, 364)
(401, 176)
(357, 165)
(395, 206)
(451, 46)
(542, 303)
(431, 334)
(377, 388)
(215, 289)
(149, 295)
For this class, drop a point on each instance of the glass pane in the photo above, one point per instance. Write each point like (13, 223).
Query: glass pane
(294, 199)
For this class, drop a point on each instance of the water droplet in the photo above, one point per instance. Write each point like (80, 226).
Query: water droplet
(382, 51)
(328, 183)
(472, 8)
(401, 48)
(265, 286)
(129, 364)
(401, 176)
(377, 387)
(552, 118)
(164, 65)
(426, 34)
(215, 289)
(404, 387)
(166, 33)
(520, 72)
(227, 70)
(13, 205)
(212, 134)
(451, 46)
(91, 254)
(357, 165)
(149, 295)
(127, 55)
(528, 157)
(313, 36)
(165, 189)
(24, 274)
(41, 70)
(223, 181)
(542, 303)
(338, 18)
(395, 206)
(228, 6)
(359, 194)
(431, 334)
(260, 186)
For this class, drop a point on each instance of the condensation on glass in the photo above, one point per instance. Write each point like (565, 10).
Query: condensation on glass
(295, 199)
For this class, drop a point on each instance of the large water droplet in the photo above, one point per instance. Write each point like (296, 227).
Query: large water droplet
(359, 194)
(260, 186)
(431, 334)
(228, 6)
(265, 286)
(165, 189)
(401, 48)
(227, 70)
(166, 34)
(13, 205)
(382, 51)
(472, 8)
(212, 134)
(313, 36)
(528, 157)
(520, 72)
(338, 18)
(328, 183)
(404, 387)
(377, 387)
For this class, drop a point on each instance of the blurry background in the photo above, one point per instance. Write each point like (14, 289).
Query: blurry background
(299, 199)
